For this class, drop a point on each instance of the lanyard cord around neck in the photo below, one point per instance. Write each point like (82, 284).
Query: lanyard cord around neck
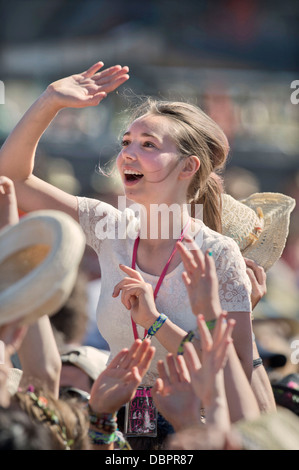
(163, 274)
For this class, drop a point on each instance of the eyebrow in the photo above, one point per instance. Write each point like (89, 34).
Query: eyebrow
(144, 134)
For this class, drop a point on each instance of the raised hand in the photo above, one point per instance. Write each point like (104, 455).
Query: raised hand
(204, 373)
(200, 279)
(137, 296)
(88, 88)
(117, 384)
(8, 203)
(173, 391)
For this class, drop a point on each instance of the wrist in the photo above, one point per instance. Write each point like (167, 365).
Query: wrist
(156, 325)
(98, 408)
(151, 320)
(187, 422)
(103, 422)
(50, 98)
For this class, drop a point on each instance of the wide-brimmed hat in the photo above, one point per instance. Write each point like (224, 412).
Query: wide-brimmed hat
(39, 261)
(259, 224)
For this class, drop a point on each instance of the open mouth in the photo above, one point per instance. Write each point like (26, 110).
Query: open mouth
(131, 176)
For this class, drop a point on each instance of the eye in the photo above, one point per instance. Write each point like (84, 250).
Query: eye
(149, 144)
(125, 143)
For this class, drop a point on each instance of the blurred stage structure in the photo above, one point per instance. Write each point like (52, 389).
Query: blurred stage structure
(234, 58)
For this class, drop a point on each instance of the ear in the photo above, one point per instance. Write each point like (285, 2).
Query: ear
(190, 166)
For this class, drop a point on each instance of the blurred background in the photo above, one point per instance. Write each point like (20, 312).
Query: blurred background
(234, 58)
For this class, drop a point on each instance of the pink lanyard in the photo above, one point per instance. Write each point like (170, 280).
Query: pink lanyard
(136, 243)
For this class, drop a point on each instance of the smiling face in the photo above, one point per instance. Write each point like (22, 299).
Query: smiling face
(149, 162)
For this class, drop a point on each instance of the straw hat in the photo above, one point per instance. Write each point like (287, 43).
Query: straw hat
(259, 224)
(39, 260)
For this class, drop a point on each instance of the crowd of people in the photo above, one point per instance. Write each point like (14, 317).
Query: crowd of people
(183, 370)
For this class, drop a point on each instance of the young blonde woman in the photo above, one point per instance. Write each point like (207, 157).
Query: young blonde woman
(168, 156)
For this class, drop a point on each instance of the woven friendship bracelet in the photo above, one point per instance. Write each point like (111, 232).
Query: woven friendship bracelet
(188, 338)
(99, 438)
(156, 325)
(104, 422)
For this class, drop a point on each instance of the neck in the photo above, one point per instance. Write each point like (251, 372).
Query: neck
(163, 224)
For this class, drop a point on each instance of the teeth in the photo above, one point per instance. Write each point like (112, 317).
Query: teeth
(131, 172)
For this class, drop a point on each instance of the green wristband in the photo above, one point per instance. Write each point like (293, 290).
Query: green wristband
(211, 324)
(156, 325)
(188, 338)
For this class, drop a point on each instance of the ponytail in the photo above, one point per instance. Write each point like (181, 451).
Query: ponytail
(211, 200)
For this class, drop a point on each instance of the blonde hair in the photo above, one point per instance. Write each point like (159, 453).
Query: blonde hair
(195, 133)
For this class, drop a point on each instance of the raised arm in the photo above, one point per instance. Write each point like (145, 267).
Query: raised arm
(39, 356)
(17, 154)
(202, 286)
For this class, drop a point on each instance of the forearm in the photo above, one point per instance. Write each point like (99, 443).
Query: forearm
(39, 355)
(241, 400)
(216, 410)
(18, 152)
(170, 337)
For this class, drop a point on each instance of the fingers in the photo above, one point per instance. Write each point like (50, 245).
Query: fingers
(257, 270)
(191, 358)
(177, 370)
(131, 272)
(139, 355)
(109, 79)
(6, 185)
(205, 335)
(93, 69)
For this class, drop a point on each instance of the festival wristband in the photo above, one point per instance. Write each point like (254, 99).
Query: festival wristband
(156, 325)
(211, 324)
(104, 422)
(188, 338)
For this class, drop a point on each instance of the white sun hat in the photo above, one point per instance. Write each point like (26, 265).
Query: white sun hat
(39, 261)
(259, 224)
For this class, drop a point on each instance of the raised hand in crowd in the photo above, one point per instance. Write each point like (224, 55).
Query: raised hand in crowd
(200, 278)
(8, 203)
(88, 88)
(174, 395)
(116, 386)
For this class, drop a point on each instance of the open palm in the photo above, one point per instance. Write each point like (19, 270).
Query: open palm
(88, 88)
(117, 384)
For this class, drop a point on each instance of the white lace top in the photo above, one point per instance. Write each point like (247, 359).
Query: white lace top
(113, 318)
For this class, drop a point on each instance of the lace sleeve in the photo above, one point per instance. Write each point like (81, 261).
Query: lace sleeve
(234, 283)
(97, 219)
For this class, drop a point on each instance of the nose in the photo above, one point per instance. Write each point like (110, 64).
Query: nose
(128, 153)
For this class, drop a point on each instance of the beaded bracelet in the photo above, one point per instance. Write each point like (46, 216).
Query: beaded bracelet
(104, 422)
(156, 325)
(188, 338)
